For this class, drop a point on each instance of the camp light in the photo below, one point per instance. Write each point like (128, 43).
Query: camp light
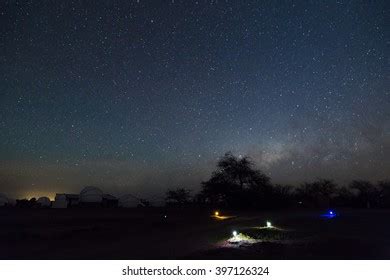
(269, 224)
(235, 233)
(216, 213)
(330, 214)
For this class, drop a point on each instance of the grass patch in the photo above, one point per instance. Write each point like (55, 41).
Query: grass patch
(270, 234)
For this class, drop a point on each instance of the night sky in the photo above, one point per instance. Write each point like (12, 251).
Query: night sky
(140, 96)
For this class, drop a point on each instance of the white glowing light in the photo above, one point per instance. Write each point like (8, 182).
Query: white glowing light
(235, 233)
(269, 224)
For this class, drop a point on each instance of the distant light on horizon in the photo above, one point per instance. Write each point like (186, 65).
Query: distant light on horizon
(36, 195)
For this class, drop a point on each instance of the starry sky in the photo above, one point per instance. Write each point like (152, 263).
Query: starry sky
(141, 96)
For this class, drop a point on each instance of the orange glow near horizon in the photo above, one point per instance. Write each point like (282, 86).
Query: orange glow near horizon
(37, 195)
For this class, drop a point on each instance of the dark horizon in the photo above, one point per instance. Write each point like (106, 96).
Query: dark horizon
(142, 97)
(159, 199)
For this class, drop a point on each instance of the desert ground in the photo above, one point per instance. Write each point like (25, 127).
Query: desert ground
(159, 233)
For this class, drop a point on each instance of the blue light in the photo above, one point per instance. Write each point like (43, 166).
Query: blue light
(329, 214)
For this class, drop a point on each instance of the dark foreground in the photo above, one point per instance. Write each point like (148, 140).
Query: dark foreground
(191, 234)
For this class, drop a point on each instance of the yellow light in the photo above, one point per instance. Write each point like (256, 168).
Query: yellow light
(216, 213)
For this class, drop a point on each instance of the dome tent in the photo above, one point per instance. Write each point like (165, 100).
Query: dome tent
(109, 201)
(91, 195)
(65, 200)
(128, 201)
(11, 201)
(60, 201)
(3, 200)
(44, 201)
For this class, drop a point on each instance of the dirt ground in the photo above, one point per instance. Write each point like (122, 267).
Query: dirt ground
(158, 233)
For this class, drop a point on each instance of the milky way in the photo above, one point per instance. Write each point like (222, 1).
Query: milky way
(141, 96)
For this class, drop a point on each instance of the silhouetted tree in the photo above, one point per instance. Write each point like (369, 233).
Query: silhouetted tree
(236, 183)
(384, 187)
(317, 193)
(282, 196)
(25, 203)
(179, 196)
(368, 194)
(344, 197)
(144, 203)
